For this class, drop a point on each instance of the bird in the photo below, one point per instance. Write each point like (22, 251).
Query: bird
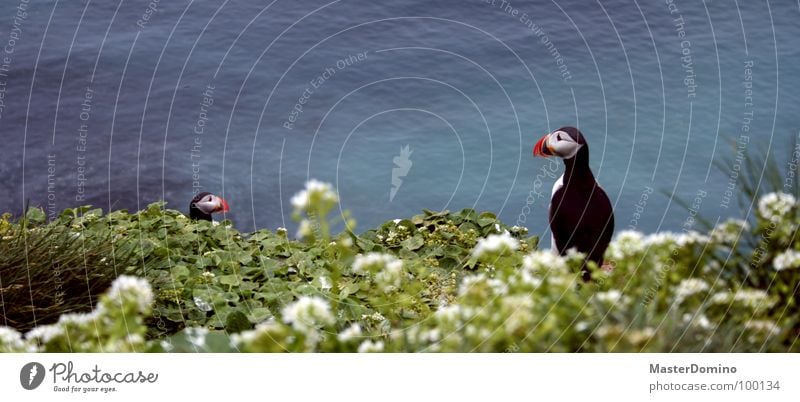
(580, 214)
(204, 204)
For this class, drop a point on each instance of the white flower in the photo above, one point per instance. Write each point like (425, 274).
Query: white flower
(45, 333)
(349, 333)
(368, 346)
(453, 313)
(308, 313)
(266, 328)
(679, 239)
(11, 340)
(729, 231)
(132, 288)
(721, 298)
(79, 318)
(753, 298)
(495, 244)
(700, 321)
(325, 283)
(638, 336)
(786, 260)
(391, 276)
(691, 237)
(627, 243)
(689, 287)
(315, 191)
(519, 312)
(768, 327)
(544, 261)
(469, 282)
(305, 229)
(375, 262)
(611, 296)
(774, 206)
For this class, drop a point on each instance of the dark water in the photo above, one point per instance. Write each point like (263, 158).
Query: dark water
(103, 107)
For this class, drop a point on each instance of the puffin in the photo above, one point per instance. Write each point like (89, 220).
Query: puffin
(204, 204)
(581, 215)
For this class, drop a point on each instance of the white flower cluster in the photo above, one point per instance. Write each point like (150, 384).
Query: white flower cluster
(764, 326)
(82, 319)
(495, 244)
(753, 298)
(680, 239)
(787, 260)
(131, 288)
(391, 276)
(612, 297)
(308, 313)
(729, 231)
(368, 346)
(45, 333)
(518, 312)
(454, 314)
(698, 321)
(315, 191)
(387, 268)
(774, 206)
(544, 261)
(689, 287)
(470, 282)
(11, 341)
(350, 333)
(305, 229)
(639, 336)
(627, 243)
(375, 262)
(630, 242)
(267, 328)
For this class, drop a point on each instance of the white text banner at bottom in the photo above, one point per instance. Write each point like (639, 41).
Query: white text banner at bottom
(399, 377)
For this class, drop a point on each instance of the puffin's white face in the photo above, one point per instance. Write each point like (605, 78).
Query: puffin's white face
(211, 204)
(557, 143)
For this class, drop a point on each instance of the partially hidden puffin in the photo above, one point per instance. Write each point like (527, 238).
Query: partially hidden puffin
(204, 204)
(581, 215)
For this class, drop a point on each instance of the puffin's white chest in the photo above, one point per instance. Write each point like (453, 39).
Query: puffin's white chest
(556, 186)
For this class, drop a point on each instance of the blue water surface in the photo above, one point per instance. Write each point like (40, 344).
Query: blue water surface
(122, 103)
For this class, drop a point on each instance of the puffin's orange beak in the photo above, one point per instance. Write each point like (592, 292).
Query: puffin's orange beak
(541, 148)
(223, 205)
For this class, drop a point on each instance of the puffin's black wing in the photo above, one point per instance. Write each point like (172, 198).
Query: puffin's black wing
(582, 217)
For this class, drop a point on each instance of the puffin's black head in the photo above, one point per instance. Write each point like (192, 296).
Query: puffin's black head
(205, 204)
(563, 143)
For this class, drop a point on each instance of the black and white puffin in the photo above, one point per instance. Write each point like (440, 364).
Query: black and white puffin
(204, 204)
(581, 215)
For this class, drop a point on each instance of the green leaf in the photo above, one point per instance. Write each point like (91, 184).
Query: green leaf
(259, 314)
(349, 290)
(179, 272)
(230, 280)
(413, 243)
(486, 219)
(35, 215)
(237, 321)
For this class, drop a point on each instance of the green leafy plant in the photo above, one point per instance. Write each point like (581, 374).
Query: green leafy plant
(438, 281)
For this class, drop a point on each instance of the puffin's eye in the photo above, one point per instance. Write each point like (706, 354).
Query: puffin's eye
(208, 199)
(558, 137)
